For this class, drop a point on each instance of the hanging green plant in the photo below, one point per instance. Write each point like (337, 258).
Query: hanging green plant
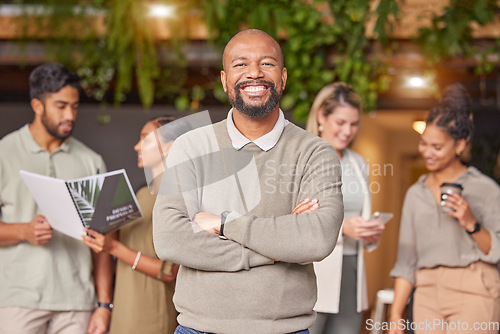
(323, 41)
(131, 42)
(122, 52)
(450, 34)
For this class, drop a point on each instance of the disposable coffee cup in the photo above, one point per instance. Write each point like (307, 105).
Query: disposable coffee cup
(446, 189)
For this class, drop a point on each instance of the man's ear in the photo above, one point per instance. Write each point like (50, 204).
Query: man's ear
(223, 79)
(284, 75)
(37, 106)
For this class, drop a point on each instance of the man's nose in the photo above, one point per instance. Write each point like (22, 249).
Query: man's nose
(69, 113)
(254, 71)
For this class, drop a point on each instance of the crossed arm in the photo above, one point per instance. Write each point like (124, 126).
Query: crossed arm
(212, 223)
(206, 251)
(252, 241)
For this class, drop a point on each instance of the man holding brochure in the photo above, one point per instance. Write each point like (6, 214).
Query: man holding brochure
(48, 280)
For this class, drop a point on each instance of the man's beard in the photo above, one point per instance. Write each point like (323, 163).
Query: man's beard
(255, 112)
(52, 128)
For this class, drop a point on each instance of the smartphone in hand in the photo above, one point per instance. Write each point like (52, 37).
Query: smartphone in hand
(382, 217)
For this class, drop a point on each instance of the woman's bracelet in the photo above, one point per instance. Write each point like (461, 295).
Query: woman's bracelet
(136, 260)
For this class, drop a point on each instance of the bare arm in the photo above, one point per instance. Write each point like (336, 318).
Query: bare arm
(147, 265)
(36, 232)
(402, 291)
(461, 211)
(103, 277)
(483, 240)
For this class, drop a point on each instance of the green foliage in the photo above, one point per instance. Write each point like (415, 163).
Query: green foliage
(310, 38)
(131, 43)
(450, 34)
(125, 53)
(323, 41)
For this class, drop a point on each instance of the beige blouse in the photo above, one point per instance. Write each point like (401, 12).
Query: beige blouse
(429, 238)
(142, 304)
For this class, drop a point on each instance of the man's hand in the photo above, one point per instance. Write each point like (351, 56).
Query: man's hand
(37, 232)
(306, 206)
(99, 321)
(358, 228)
(211, 223)
(207, 221)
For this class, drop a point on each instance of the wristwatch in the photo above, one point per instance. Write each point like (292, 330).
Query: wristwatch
(223, 217)
(109, 306)
(477, 228)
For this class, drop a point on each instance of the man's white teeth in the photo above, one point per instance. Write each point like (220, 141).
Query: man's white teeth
(252, 89)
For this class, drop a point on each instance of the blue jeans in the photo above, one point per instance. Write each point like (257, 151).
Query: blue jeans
(185, 330)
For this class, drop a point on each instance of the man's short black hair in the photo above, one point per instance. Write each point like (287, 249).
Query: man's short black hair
(51, 78)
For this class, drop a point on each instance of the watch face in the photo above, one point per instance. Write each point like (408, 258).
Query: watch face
(105, 305)
(477, 228)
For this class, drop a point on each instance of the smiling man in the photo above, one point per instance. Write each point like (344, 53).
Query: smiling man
(247, 205)
(48, 280)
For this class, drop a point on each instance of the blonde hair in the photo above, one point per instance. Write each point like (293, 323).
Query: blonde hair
(328, 99)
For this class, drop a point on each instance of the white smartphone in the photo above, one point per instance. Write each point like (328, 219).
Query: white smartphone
(383, 217)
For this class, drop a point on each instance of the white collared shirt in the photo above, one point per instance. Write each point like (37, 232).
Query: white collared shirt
(265, 143)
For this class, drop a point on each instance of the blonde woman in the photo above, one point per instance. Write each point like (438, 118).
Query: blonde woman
(335, 116)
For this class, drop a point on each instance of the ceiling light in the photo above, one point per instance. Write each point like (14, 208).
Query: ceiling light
(416, 82)
(161, 11)
(419, 126)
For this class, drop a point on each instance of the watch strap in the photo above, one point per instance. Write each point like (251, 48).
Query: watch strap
(109, 306)
(477, 228)
(223, 217)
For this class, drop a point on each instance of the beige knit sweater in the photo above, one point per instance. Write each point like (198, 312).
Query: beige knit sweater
(260, 280)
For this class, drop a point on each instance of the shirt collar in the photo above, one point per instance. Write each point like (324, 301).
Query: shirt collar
(265, 143)
(471, 171)
(33, 145)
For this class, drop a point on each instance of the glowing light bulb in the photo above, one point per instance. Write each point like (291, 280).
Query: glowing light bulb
(416, 82)
(418, 126)
(162, 11)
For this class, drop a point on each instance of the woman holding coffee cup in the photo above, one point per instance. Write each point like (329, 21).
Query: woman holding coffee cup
(449, 241)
